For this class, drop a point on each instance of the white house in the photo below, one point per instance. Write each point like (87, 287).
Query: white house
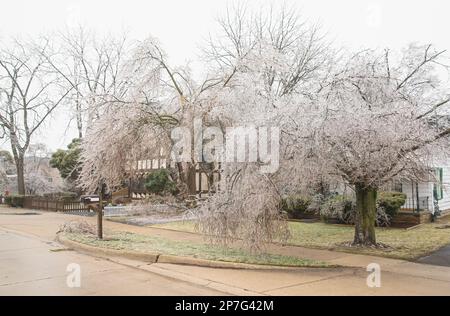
(428, 195)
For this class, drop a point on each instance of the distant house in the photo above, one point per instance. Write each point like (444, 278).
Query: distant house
(40, 177)
(429, 196)
(205, 176)
(41, 165)
(434, 194)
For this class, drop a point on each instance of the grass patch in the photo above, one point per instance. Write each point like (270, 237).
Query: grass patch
(183, 226)
(405, 244)
(118, 219)
(150, 244)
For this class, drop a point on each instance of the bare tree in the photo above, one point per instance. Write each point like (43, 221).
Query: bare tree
(30, 91)
(295, 52)
(91, 66)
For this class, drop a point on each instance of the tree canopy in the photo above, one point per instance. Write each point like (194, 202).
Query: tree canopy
(67, 161)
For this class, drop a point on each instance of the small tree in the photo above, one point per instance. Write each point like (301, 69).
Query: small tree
(159, 182)
(68, 161)
(7, 162)
(38, 183)
(38, 178)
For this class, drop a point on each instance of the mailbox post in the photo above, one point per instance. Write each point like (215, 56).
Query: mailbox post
(100, 218)
(95, 202)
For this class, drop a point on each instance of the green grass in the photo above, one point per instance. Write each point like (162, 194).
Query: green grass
(150, 244)
(405, 244)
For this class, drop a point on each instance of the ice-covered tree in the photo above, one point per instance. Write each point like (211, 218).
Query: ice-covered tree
(91, 66)
(264, 64)
(376, 120)
(133, 122)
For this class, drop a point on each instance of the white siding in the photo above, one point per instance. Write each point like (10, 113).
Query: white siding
(426, 190)
(444, 204)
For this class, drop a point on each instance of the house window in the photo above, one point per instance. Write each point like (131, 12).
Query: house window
(437, 187)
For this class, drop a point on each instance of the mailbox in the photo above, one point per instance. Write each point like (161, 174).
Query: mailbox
(88, 199)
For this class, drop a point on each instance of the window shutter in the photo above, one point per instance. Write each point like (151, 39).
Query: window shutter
(437, 187)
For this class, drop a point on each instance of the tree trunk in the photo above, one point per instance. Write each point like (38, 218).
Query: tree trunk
(192, 184)
(79, 117)
(365, 216)
(20, 174)
(187, 174)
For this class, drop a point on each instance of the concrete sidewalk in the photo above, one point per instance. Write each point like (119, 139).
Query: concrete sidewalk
(398, 276)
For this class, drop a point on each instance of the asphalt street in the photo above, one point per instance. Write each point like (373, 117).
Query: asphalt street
(31, 266)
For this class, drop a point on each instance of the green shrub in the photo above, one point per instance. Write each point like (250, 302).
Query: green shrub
(295, 205)
(343, 208)
(8, 200)
(62, 196)
(391, 201)
(159, 182)
(15, 200)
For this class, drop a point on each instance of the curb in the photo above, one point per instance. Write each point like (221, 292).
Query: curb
(105, 253)
(217, 264)
(171, 259)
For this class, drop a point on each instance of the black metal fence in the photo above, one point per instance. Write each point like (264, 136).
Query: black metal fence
(417, 204)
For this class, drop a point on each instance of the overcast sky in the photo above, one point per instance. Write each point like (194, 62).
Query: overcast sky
(181, 25)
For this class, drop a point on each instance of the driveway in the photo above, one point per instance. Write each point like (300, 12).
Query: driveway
(440, 257)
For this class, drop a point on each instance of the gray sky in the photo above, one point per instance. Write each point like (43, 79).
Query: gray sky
(181, 25)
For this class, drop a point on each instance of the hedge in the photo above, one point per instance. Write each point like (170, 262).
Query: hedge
(15, 200)
(391, 201)
(295, 205)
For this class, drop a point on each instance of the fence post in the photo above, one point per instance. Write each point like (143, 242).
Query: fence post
(100, 213)
(417, 197)
(200, 183)
(100, 219)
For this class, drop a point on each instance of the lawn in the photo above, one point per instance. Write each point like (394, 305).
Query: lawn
(405, 244)
(183, 226)
(151, 244)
